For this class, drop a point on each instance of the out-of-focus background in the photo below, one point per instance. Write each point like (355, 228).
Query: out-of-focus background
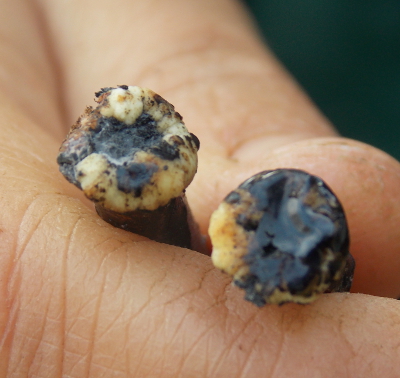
(346, 55)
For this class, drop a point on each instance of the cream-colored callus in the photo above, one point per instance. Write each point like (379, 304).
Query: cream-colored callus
(124, 105)
(97, 173)
(229, 239)
(98, 180)
(127, 105)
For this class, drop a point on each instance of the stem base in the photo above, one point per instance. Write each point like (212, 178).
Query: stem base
(170, 224)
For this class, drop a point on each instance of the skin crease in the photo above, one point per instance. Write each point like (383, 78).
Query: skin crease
(79, 298)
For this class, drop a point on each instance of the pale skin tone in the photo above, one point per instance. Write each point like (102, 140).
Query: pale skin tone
(79, 298)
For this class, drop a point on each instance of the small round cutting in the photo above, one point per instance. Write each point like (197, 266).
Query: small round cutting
(131, 152)
(283, 237)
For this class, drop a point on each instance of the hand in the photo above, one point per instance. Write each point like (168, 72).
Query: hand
(79, 298)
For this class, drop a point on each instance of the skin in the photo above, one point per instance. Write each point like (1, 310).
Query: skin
(79, 298)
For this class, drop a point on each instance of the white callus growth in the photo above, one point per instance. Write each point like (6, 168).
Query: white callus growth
(124, 105)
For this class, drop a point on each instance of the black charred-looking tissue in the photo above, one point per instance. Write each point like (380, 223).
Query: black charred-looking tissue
(299, 246)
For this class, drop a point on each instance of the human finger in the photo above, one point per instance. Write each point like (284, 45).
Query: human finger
(29, 75)
(238, 100)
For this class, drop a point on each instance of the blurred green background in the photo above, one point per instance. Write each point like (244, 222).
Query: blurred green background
(346, 54)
